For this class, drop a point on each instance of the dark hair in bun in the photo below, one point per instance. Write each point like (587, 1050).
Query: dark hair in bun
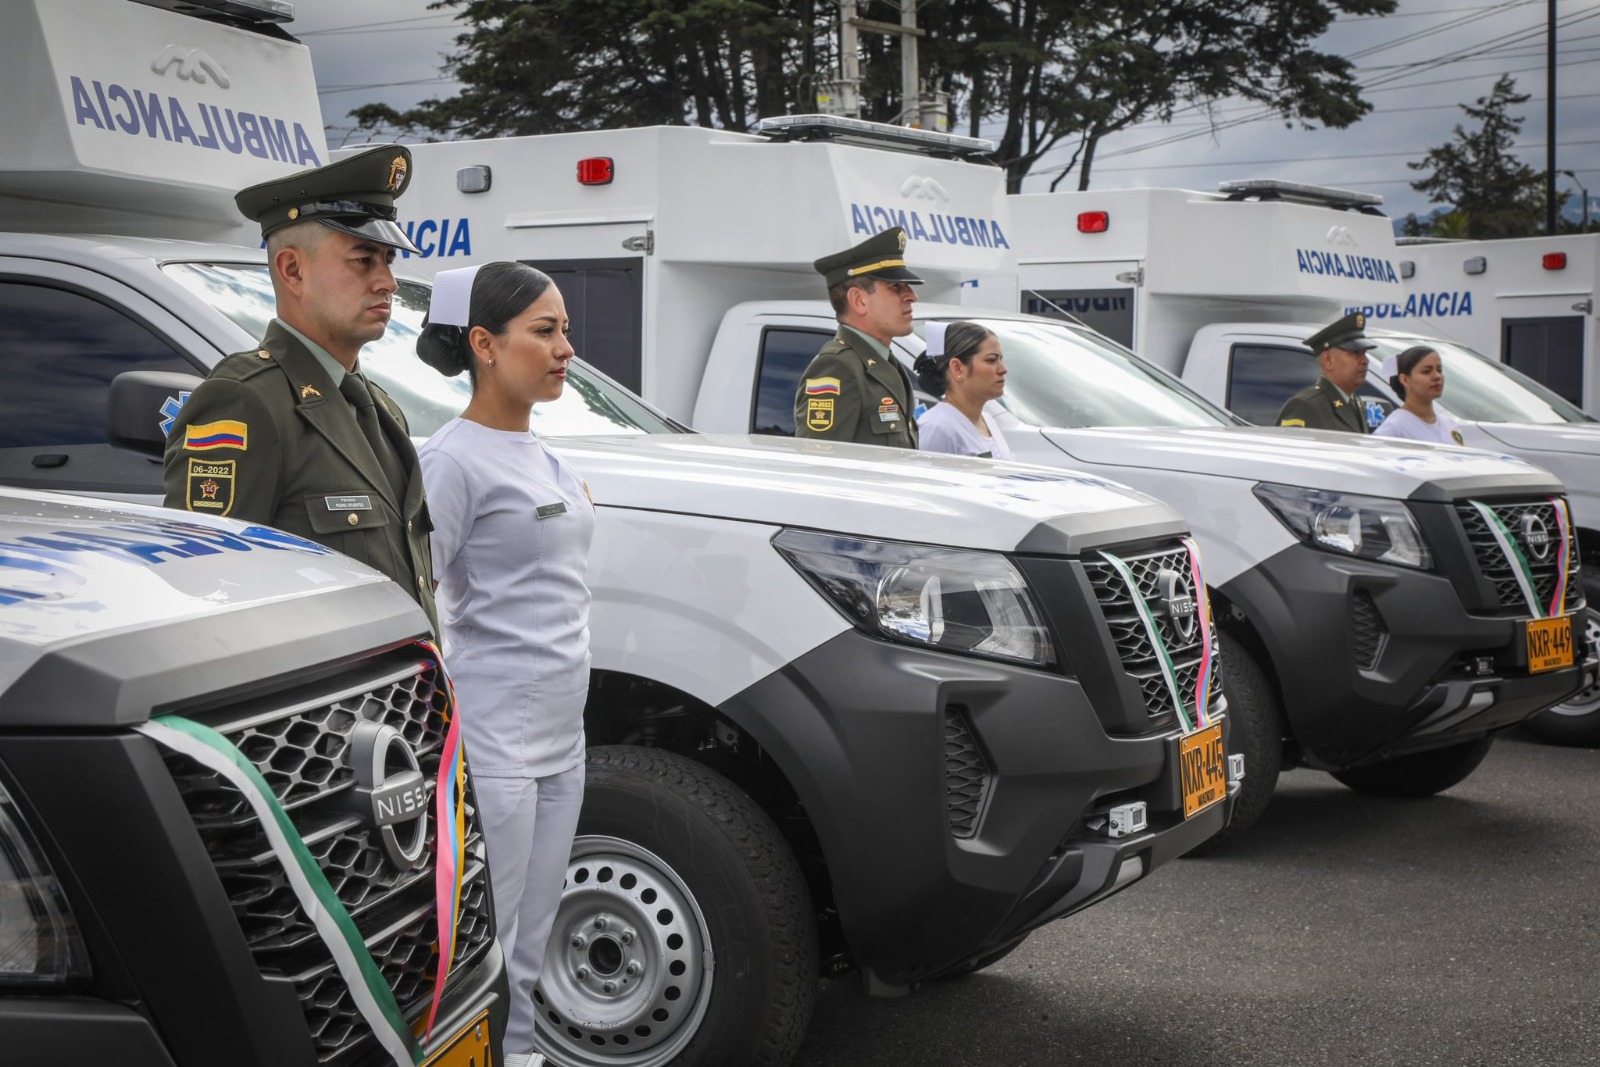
(1405, 363)
(500, 292)
(961, 341)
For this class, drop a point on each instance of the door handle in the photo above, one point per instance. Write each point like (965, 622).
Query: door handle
(50, 459)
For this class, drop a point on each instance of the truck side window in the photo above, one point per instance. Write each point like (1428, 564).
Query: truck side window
(1262, 377)
(59, 350)
(785, 353)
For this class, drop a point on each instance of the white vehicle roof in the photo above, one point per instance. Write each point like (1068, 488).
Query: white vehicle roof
(125, 118)
(1196, 244)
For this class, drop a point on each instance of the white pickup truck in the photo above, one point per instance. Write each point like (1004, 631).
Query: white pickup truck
(1252, 368)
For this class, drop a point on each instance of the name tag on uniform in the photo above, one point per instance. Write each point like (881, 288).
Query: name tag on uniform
(348, 503)
(550, 511)
(888, 416)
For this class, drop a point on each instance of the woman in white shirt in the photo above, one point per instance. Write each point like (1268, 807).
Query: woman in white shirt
(512, 530)
(963, 365)
(1417, 378)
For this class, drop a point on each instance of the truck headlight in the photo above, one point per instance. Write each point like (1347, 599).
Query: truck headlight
(1369, 527)
(954, 600)
(39, 942)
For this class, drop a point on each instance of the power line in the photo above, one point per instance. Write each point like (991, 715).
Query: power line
(378, 27)
(1314, 159)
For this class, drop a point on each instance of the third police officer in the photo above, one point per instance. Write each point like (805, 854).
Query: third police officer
(855, 390)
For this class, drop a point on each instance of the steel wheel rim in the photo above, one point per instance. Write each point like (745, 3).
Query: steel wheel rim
(628, 969)
(1585, 701)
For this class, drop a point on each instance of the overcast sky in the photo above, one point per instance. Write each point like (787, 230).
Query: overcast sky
(1419, 65)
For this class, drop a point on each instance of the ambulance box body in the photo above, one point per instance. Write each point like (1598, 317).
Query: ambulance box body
(1527, 302)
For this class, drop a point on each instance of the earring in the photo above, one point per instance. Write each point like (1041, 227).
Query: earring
(491, 362)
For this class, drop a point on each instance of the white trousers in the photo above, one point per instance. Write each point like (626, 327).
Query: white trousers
(528, 827)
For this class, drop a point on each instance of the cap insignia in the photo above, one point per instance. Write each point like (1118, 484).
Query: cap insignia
(397, 173)
(902, 236)
(1361, 321)
(294, 213)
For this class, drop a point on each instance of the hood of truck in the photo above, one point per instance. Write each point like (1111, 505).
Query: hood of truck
(1578, 438)
(1314, 459)
(74, 569)
(110, 612)
(867, 491)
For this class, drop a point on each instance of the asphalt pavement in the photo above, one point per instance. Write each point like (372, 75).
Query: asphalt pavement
(1459, 930)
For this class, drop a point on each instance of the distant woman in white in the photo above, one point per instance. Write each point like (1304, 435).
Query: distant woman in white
(963, 365)
(1417, 378)
(512, 530)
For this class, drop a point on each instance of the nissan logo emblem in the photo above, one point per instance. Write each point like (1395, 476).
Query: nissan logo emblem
(1536, 535)
(1177, 601)
(391, 795)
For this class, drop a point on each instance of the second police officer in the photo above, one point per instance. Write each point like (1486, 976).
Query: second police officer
(1330, 402)
(854, 389)
(291, 434)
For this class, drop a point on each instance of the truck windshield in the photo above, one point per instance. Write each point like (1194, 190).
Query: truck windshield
(591, 404)
(1062, 377)
(1477, 388)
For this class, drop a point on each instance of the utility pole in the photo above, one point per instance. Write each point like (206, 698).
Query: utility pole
(850, 46)
(1550, 125)
(910, 83)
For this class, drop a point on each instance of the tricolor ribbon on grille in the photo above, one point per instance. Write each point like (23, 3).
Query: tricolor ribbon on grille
(450, 843)
(372, 996)
(1522, 570)
(1194, 710)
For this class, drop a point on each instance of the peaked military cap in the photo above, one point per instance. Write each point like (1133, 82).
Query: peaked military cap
(354, 195)
(1344, 334)
(883, 255)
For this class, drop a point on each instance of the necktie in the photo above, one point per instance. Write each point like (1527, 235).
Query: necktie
(354, 388)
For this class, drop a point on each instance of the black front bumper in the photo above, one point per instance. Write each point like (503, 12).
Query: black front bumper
(1376, 661)
(884, 744)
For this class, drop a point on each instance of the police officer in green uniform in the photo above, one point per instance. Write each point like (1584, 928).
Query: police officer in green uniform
(1330, 403)
(291, 434)
(854, 390)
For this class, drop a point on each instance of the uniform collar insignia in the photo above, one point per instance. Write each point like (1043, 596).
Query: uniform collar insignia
(309, 391)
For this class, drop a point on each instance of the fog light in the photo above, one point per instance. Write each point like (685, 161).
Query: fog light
(1127, 819)
(39, 942)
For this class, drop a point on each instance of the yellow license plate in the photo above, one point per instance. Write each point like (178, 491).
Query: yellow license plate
(1204, 765)
(469, 1048)
(1549, 644)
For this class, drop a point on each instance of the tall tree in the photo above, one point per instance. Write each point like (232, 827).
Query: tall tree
(549, 66)
(1491, 191)
(1058, 71)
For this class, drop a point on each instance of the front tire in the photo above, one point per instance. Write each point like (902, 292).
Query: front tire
(1255, 729)
(1576, 720)
(1420, 775)
(685, 934)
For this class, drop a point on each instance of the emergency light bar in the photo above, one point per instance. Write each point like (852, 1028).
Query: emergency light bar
(256, 11)
(1301, 193)
(843, 130)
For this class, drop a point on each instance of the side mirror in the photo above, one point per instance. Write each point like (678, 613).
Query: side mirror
(141, 406)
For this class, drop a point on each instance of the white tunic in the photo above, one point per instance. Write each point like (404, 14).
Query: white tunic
(1402, 423)
(512, 530)
(943, 428)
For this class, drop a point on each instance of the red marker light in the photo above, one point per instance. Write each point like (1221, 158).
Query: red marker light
(1093, 221)
(596, 170)
(1555, 261)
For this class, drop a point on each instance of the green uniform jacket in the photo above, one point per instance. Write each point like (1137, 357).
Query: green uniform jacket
(268, 438)
(1319, 407)
(851, 394)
